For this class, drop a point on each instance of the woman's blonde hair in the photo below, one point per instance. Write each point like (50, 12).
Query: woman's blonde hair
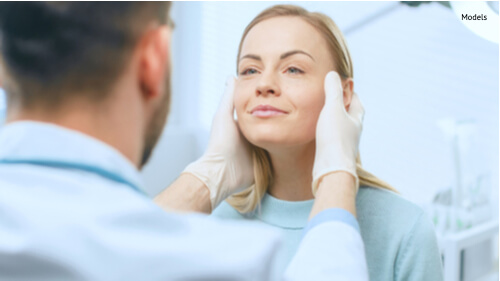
(247, 200)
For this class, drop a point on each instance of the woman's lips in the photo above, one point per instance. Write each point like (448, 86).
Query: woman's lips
(266, 111)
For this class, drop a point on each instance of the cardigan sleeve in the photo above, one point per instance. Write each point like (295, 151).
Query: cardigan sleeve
(419, 257)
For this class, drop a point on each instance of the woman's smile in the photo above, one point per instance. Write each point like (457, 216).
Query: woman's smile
(266, 111)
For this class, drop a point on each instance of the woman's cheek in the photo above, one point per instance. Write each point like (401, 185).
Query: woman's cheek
(312, 106)
(239, 97)
(319, 100)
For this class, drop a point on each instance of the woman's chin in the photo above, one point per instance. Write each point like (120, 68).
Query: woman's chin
(272, 137)
(267, 144)
(271, 143)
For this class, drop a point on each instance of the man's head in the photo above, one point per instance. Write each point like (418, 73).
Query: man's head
(56, 54)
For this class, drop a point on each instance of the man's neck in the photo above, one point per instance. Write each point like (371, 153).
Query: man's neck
(292, 168)
(99, 122)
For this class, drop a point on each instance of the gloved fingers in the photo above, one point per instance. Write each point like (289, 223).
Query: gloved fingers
(226, 106)
(334, 94)
(356, 110)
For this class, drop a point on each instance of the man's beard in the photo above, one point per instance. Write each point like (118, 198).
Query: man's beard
(156, 125)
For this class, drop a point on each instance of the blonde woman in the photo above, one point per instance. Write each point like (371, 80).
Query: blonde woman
(284, 55)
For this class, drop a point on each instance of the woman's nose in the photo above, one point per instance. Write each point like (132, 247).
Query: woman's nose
(268, 85)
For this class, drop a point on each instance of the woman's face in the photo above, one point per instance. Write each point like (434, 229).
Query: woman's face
(279, 91)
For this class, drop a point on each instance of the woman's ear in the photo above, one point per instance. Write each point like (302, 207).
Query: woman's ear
(348, 86)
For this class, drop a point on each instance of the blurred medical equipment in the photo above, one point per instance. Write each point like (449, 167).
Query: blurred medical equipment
(462, 214)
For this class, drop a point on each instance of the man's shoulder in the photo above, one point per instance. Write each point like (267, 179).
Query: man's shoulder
(73, 222)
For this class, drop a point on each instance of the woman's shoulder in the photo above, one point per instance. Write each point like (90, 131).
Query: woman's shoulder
(399, 230)
(381, 210)
(385, 202)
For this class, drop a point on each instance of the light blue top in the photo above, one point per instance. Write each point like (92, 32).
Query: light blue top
(399, 239)
(71, 208)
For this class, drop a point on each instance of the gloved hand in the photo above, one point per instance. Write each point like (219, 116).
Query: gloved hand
(226, 167)
(337, 133)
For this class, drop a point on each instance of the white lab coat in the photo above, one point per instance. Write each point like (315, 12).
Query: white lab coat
(71, 209)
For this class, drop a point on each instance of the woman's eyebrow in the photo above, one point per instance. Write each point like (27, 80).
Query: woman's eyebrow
(283, 56)
(251, 56)
(294, 52)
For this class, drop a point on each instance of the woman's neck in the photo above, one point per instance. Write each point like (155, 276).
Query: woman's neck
(292, 172)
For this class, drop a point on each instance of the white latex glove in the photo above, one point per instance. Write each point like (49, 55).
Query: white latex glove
(337, 132)
(226, 167)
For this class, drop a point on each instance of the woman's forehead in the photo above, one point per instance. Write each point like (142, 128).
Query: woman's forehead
(277, 35)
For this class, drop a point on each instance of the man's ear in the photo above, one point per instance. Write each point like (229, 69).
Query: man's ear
(1, 71)
(348, 86)
(154, 61)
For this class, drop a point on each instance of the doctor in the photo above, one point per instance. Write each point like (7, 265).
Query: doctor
(88, 95)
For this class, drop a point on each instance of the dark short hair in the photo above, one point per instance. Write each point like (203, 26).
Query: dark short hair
(49, 49)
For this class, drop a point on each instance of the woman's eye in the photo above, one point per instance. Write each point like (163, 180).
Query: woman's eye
(294, 70)
(248, 71)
